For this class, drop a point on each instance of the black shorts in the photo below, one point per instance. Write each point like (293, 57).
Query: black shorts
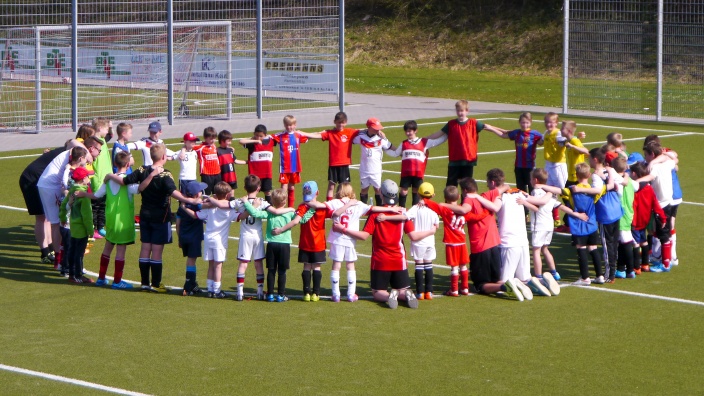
(307, 257)
(191, 249)
(278, 256)
(381, 280)
(457, 172)
(211, 181)
(673, 210)
(410, 181)
(233, 185)
(485, 267)
(155, 233)
(339, 174)
(586, 240)
(266, 185)
(31, 197)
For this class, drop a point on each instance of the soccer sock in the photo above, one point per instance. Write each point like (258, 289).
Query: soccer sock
(209, 282)
(59, 257)
(402, 200)
(378, 201)
(415, 198)
(666, 253)
(270, 280)
(216, 287)
(291, 198)
(44, 251)
(625, 257)
(429, 277)
(282, 282)
(104, 263)
(156, 272)
(267, 198)
(191, 274)
(119, 269)
(596, 260)
(260, 283)
(240, 284)
(454, 280)
(144, 270)
(583, 260)
(364, 198)
(305, 275)
(636, 257)
(420, 285)
(335, 282)
(317, 278)
(464, 279)
(351, 282)
(673, 239)
(645, 254)
(51, 247)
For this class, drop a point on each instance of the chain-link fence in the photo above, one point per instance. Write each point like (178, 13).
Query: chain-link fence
(643, 57)
(165, 59)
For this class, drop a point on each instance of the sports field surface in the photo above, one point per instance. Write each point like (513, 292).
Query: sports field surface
(636, 336)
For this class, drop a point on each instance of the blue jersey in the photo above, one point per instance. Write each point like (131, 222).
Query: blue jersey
(116, 148)
(582, 203)
(190, 229)
(526, 144)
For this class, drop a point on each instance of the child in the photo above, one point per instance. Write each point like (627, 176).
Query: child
(227, 159)
(208, 158)
(645, 204)
(190, 235)
(614, 140)
(124, 134)
(339, 152)
(278, 247)
(541, 203)
(414, 157)
(372, 144)
(582, 222)
(156, 186)
(526, 141)
(423, 250)
(554, 154)
(144, 145)
(625, 248)
(102, 165)
(574, 154)
(290, 141)
(462, 137)
(261, 155)
(188, 159)
(81, 216)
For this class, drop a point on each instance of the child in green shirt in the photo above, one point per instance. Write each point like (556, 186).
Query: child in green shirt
(81, 214)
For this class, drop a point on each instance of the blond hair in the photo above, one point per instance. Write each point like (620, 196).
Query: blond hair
(539, 174)
(525, 115)
(289, 120)
(157, 151)
(551, 115)
(221, 189)
(619, 164)
(279, 197)
(101, 122)
(583, 170)
(462, 105)
(345, 190)
(571, 126)
(614, 139)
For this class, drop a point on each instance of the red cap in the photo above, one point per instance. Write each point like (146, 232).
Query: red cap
(79, 174)
(190, 137)
(374, 123)
(609, 156)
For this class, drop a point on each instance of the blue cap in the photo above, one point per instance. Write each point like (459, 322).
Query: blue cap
(635, 157)
(195, 187)
(310, 189)
(154, 127)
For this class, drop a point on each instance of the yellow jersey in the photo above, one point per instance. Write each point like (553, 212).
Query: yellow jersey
(553, 151)
(573, 158)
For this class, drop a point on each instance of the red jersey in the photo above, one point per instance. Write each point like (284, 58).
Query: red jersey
(340, 150)
(261, 157)
(414, 158)
(453, 224)
(462, 140)
(645, 203)
(226, 158)
(313, 231)
(483, 234)
(388, 252)
(208, 158)
(289, 144)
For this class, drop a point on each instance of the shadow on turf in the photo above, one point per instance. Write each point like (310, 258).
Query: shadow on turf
(21, 261)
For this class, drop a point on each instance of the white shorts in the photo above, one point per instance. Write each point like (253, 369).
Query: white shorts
(370, 180)
(541, 238)
(217, 255)
(341, 253)
(625, 237)
(557, 173)
(51, 200)
(423, 253)
(250, 248)
(515, 263)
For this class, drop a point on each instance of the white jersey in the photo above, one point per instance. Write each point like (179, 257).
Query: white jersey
(662, 183)
(350, 219)
(52, 176)
(189, 165)
(250, 227)
(423, 219)
(372, 152)
(542, 219)
(143, 145)
(512, 226)
(217, 226)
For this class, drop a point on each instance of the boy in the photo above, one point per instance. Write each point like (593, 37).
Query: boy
(526, 141)
(290, 141)
(188, 159)
(208, 158)
(462, 137)
(414, 157)
(227, 159)
(339, 152)
(625, 247)
(260, 158)
(388, 263)
(190, 236)
(144, 145)
(574, 154)
(372, 144)
(124, 134)
(423, 250)
(102, 165)
(81, 216)
(157, 187)
(645, 204)
(554, 154)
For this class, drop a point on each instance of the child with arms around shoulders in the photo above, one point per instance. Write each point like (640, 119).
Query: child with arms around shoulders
(81, 216)
(190, 235)
(260, 149)
(526, 141)
(372, 143)
(423, 251)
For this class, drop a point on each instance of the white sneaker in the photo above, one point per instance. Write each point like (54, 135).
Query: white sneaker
(393, 299)
(551, 284)
(674, 261)
(599, 280)
(582, 282)
(525, 290)
(411, 299)
(512, 290)
(537, 288)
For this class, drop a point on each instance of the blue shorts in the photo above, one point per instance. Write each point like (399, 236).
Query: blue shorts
(639, 236)
(155, 233)
(192, 249)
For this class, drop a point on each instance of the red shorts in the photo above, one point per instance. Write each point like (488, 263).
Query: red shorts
(456, 255)
(290, 178)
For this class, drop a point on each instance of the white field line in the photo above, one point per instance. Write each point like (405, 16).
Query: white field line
(71, 381)
(644, 295)
(618, 127)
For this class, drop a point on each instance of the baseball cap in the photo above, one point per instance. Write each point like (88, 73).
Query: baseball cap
(374, 123)
(310, 189)
(426, 190)
(79, 174)
(195, 187)
(635, 157)
(154, 127)
(609, 156)
(190, 137)
(389, 192)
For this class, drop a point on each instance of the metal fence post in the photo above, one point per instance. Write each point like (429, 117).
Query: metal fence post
(260, 74)
(228, 48)
(658, 105)
(170, 59)
(341, 58)
(565, 55)
(74, 65)
(38, 77)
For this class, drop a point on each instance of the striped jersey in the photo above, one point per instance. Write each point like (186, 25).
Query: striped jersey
(260, 158)
(144, 145)
(414, 155)
(526, 143)
(372, 153)
(226, 159)
(289, 146)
